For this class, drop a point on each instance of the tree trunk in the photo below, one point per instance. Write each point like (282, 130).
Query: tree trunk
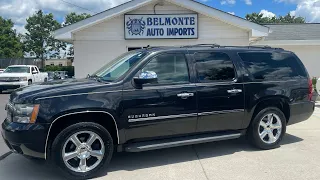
(42, 62)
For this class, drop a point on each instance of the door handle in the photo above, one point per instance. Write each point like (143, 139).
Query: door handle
(185, 95)
(234, 91)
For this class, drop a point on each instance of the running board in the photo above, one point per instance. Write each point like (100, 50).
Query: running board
(181, 141)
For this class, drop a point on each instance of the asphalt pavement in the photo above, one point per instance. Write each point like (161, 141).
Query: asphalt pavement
(297, 158)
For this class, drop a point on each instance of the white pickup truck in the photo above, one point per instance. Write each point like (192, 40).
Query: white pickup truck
(20, 75)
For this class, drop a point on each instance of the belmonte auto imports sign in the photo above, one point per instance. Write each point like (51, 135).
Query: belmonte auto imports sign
(161, 26)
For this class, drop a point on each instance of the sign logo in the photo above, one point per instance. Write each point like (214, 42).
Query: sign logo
(136, 26)
(161, 26)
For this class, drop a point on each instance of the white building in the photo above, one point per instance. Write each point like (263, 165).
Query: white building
(139, 23)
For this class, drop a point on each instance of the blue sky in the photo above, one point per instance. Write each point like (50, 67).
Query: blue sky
(19, 10)
(240, 8)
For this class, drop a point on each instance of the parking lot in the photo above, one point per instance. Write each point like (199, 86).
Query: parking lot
(297, 158)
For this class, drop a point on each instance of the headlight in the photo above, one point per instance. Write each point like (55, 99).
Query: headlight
(25, 113)
(23, 79)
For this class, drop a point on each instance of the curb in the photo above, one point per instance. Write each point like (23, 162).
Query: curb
(2, 157)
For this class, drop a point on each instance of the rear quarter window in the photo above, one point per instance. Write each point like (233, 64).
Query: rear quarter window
(272, 65)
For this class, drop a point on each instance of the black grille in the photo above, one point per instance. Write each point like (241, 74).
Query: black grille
(9, 80)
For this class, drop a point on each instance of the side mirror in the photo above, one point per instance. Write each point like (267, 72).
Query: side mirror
(34, 72)
(146, 77)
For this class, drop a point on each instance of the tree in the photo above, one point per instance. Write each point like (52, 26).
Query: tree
(39, 40)
(258, 18)
(72, 18)
(10, 45)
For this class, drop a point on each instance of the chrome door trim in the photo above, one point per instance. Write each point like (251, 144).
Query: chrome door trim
(220, 112)
(185, 115)
(163, 117)
(81, 112)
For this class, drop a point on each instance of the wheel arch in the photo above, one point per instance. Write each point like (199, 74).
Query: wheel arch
(280, 102)
(58, 120)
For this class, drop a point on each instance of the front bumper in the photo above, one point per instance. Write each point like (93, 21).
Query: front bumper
(26, 139)
(12, 85)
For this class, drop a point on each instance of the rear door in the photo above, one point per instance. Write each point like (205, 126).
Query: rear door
(219, 91)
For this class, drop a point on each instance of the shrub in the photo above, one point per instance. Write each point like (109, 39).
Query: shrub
(314, 83)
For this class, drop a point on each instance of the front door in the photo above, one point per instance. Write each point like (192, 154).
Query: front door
(36, 75)
(220, 97)
(167, 108)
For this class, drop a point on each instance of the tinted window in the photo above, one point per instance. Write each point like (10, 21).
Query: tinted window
(272, 66)
(120, 66)
(214, 66)
(170, 68)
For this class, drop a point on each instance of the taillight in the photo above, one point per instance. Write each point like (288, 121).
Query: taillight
(310, 90)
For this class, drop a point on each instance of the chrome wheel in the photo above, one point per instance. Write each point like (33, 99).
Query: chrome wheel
(83, 151)
(270, 128)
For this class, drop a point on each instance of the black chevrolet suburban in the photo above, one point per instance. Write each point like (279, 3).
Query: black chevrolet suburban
(160, 97)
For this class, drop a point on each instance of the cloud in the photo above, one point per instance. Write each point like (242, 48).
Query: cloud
(232, 13)
(248, 2)
(19, 10)
(266, 13)
(309, 9)
(226, 2)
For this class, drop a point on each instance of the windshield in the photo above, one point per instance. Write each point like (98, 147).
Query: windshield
(17, 70)
(118, 67)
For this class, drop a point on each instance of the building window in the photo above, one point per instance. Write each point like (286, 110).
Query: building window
(51, 64)
(60, 64)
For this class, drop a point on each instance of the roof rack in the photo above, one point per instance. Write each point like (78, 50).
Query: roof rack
(150, 47)
(218, 46)
(202, 45)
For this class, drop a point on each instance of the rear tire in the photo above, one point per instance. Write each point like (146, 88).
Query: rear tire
(87, 160)
(267, 128)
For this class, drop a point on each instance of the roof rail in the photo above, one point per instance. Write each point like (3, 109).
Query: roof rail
(202, 45)
(218, 46)
(150, 47)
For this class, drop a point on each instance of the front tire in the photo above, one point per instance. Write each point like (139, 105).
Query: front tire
(82, 150)
(29, 82)
(267, 128)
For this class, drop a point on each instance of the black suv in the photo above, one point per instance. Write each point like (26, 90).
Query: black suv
(160, 97)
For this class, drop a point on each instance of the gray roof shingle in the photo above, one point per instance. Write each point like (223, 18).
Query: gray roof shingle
(294, 32)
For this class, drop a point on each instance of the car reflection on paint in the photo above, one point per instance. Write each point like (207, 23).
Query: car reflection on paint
(56, 75)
